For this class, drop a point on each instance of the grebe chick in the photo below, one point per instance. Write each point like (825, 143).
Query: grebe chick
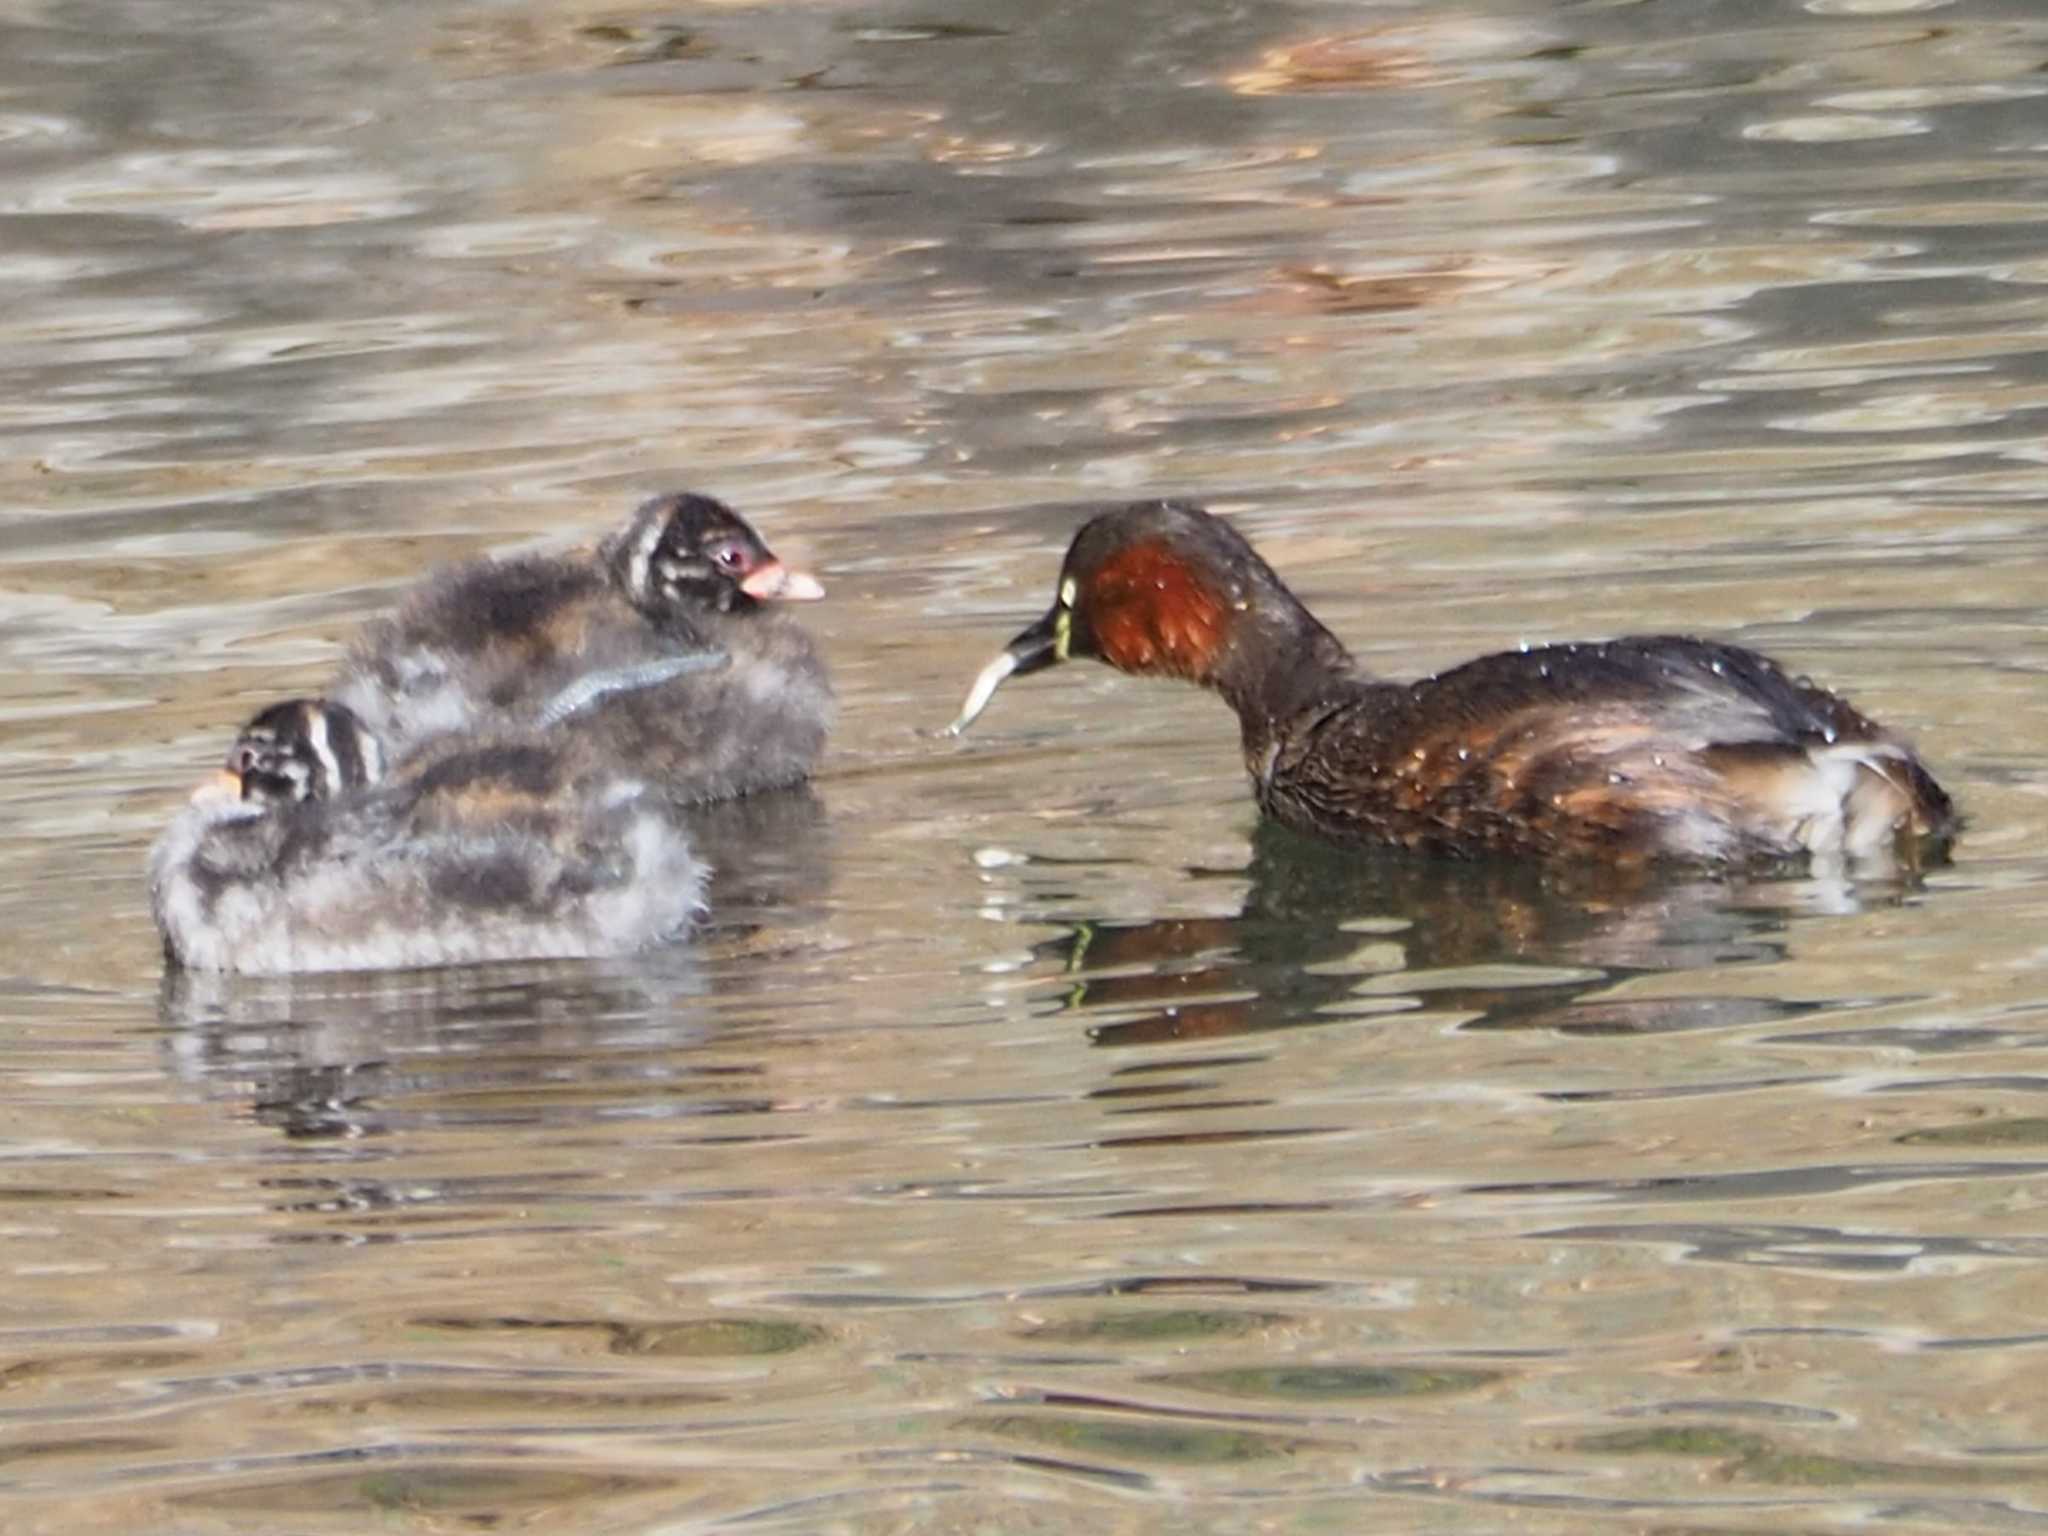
(1654, 746)
(301, 856)
(660, 643)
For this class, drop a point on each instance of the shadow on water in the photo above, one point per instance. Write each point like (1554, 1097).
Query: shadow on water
(770, 856)
(1327, 934)
(1329, 938)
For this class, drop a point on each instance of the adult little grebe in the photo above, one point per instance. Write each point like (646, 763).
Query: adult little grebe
(302, 856)
(658, 643)
(1647, 747)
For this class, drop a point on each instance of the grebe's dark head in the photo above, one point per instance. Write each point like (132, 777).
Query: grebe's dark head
(685, 553)
(1156, 588)
(302, 749)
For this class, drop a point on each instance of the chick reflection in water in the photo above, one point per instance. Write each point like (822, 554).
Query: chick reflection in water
(1324, 936)
(361, 1053)
(356, 1053)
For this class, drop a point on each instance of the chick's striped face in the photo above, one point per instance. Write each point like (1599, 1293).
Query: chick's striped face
(690, 552)
(303, 749)
(707, 562)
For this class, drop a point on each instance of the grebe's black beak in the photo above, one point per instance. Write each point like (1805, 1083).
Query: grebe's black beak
(1039, 647)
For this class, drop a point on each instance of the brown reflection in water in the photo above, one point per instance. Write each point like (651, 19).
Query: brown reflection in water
(1323, 289)
(1414, 52)
(1327, 934)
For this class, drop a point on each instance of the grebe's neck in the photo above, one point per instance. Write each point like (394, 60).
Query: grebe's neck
(1278, 660)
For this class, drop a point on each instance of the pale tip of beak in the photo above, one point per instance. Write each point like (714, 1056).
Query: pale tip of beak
(777, 582)
(984, 689)
(223, 788)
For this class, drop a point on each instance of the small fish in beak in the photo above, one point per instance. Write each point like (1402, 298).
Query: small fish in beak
(1035, 649)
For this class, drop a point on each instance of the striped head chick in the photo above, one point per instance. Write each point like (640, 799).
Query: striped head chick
(683, 553)
(298, 750)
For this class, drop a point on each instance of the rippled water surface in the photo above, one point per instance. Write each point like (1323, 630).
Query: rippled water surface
(1032, 1143)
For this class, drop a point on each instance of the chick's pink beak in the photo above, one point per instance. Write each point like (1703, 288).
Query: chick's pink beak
(223, 788)
(776, 582)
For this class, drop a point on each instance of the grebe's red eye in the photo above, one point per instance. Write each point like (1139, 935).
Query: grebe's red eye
(730, 558)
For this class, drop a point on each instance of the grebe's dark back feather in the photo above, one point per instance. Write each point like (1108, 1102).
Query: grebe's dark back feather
(1658, 744)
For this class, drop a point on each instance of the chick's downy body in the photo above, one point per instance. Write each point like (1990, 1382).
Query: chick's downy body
(474, 850)
(662, 647)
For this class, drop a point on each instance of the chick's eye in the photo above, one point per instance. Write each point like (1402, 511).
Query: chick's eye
(729, 557)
